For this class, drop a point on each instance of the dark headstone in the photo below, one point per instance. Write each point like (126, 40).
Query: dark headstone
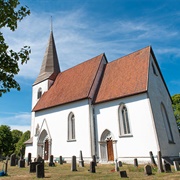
(152, 158)
(73, 164)
(167, 167)
(51, 163)
(176, 165)
(123, 174)
(12, 160)
(135, 162)
(40, 170)
(81, 161)
(60, 160)
(92, 167)
(29, 159)
(120, 164)
(94, 159)
(160, 166)
(16, 161)
(21, 163)
(32, 167)
(147, 170)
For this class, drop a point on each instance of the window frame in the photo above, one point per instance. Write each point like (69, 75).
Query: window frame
(39, 93)
(71, 136)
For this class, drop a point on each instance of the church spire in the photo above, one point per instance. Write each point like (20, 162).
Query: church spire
(50, 65)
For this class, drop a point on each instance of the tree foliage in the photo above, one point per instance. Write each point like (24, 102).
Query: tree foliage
(5, 139)
(176, 108)
(10, 15)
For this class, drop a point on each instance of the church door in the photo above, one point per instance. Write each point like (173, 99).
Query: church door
(110, 150)
(46, 150)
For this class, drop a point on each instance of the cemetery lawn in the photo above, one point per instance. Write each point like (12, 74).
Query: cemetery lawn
(103, 171)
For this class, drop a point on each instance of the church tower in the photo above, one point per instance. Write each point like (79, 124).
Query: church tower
(48, 72)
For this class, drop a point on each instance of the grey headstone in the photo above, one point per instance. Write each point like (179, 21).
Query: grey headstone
(176, 165)
(81, 161)
(120, 164)
(135, 162)
(73, 164)
(94, 159)
(92, 167)
(147, 170)
(60, 160)
(21, 163)
(123, 174)
(40, 170)
(29, 159)
(12, 160)
(152, 158)
(160, 166)
(51, 163)
(116, 166)
(167, 167)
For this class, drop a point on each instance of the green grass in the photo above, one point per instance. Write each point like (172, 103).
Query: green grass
(103, 172)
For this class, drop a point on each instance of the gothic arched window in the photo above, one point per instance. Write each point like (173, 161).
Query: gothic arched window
(39, 94)
(71, 126)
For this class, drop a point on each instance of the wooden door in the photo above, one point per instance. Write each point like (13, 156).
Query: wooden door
(46, 150)
(110, 150)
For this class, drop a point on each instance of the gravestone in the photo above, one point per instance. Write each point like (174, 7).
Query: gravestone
(92, 167)
(160, 166)
(16, 161)
(148, 170)
(120, 164)
(81, 161)
(21, 163)
(123, 174)
(51, 163)
(135, 162)
(29, 159)
(152, 158)
(116, 166)
(60, 160)
(167, 167)
(176, 165)
(13, 160)
(40, 170)
(32, 167)
(73, 164)
(94, 159)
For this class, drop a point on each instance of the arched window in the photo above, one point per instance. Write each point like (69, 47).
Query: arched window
(124, 127)
(167, 123)
(39, 94)
(71, 126)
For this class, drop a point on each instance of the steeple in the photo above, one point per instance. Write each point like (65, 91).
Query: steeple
(50, 65)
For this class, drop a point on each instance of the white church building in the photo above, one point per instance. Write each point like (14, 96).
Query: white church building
(117, 110)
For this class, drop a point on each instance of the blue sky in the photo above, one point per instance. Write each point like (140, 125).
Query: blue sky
(84, 29)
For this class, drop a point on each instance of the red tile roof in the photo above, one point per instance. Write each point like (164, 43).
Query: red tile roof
(71, 85)
(125, 76)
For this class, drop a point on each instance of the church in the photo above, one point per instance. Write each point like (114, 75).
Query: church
(118, 110)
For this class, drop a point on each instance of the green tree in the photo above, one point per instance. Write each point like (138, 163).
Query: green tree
(176, 108)
(10, 15)
(20, 146)
(5, 139)
(16, 136)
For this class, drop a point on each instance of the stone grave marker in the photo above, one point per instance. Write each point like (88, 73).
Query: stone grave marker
(135, 162)
(51, 163)
(123, 174)
(92, 167)
(32, 167)
(160, 166)
(60, 160)
(81, 161)
(167, 167)
(120, 164)
(116, 166)
(73, 164)
(13, 160)
(152, 158)
(29, 159)
(176, 165)
(21, 163)
(148, 170)
(94, 159)
(40, 170)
